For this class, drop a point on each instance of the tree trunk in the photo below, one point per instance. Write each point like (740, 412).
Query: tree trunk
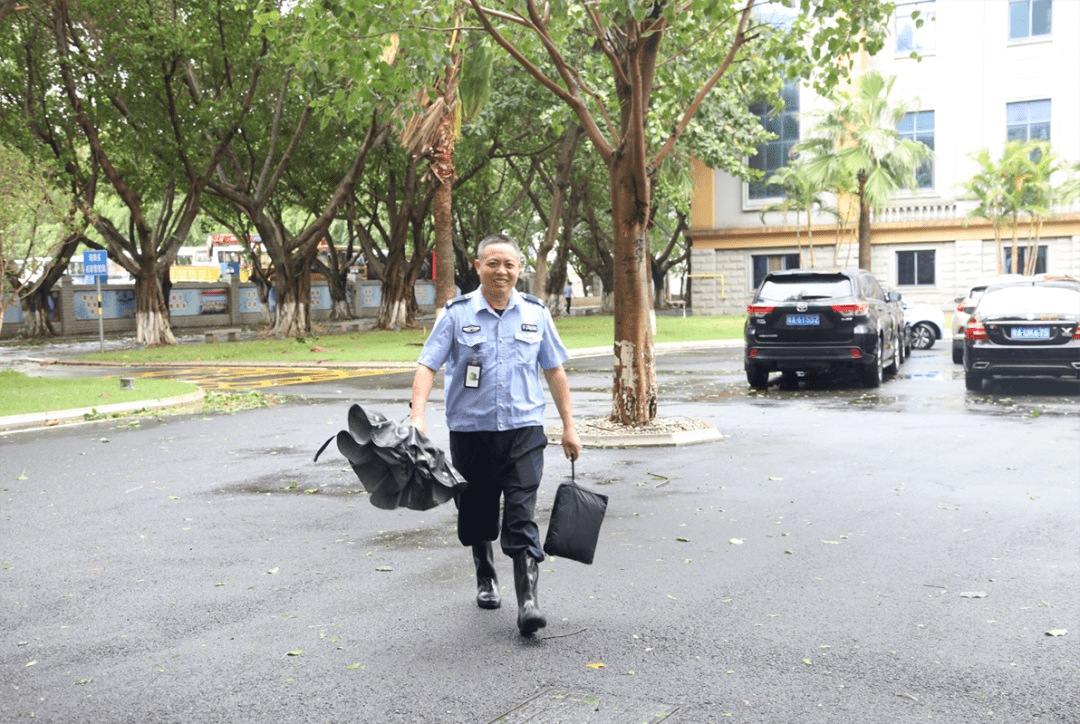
(292, 293)
(35, 309)
(634, 391)
(864, 225)
(151, 313)
(337, 282)
(394, 312)
(565, 164)
(443, 228)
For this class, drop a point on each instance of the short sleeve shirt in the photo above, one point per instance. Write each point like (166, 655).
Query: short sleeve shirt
(510, 349)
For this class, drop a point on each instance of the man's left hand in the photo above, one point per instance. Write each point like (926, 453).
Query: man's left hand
(571, 443)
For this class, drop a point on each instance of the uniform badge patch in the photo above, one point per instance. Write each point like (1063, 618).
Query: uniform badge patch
(529, 328)
(471, 328)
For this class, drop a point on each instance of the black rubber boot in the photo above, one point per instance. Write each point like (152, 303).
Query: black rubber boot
(487, 584)
(526, 576)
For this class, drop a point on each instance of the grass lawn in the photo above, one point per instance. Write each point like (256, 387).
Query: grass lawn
(404, 346)
(20, 394)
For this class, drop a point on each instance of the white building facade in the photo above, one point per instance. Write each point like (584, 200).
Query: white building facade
(990, 71)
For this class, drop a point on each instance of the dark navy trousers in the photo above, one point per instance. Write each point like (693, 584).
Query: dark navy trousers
(506, 464)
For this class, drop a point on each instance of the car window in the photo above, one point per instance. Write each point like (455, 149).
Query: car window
(803, 287)
(1027, 300)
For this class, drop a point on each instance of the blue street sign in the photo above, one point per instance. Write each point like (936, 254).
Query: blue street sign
(95, 264)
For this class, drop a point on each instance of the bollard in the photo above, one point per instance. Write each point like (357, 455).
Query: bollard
(127, 383)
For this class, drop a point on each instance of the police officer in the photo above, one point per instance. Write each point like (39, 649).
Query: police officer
(493, 340)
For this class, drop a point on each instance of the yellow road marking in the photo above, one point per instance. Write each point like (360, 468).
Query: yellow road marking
(246, 378)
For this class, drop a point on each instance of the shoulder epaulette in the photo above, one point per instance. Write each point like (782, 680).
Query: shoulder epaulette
(455, 300)
(534, 300)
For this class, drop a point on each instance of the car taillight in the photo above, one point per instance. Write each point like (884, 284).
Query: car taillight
(856, 353)
(975, 330)
(758, 311)
(753, 353)
(1076, 334)
(960, 307)
(856, 309)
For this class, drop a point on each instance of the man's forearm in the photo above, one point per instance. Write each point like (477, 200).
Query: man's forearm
(423, 381)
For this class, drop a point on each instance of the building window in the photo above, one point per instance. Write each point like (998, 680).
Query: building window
(1029, 18)
(916, 27)
(776, 153)
(915, 267)
(1027, 120)
(765, 263)
(920, 127)
(1021, 260)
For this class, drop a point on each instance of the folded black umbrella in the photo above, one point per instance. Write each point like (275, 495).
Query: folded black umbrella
(576, 516)
(398, 465)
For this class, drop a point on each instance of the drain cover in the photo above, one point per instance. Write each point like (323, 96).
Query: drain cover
(566, 706)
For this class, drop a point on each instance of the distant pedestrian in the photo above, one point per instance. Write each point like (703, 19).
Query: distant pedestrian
(494, 342)
(569, 292)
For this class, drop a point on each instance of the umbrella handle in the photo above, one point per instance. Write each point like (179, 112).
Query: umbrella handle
(571, 470)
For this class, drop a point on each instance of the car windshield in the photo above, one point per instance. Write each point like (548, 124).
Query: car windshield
(804, 287)
(1030, 300)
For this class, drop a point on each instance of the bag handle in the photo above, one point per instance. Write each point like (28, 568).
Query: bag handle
(571, 469)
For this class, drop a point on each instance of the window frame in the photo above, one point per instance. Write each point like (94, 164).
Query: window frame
(789, 113)
(913, 135)
(926, 17)
(784, 258)
(1042, 255)
(1027, 124)
(1030, 36)
(915, 268)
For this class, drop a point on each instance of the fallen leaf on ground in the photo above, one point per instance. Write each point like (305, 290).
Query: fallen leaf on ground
(1057, 632)
(597, 666)
(736, 541)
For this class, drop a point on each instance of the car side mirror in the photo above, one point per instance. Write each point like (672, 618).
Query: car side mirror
(958, 300)
(894, 296)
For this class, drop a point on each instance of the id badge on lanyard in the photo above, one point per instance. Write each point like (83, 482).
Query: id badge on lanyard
(473, 370)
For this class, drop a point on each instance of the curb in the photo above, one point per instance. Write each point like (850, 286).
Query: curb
(47, 419)
(75, 362)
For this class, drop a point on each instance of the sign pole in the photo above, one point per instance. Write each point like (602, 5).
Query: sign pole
(100, 320)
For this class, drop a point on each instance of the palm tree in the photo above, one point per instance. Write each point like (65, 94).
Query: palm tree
(1017, 183)
(856, 143)
(801, 193)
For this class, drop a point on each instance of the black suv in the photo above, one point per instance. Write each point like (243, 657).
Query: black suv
(809, 320)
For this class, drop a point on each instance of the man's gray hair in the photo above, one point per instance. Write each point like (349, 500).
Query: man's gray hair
(498, 239)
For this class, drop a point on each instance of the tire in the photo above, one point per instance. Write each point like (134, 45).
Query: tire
(923, 336)
(874, 374)
(757, 376)
(958, 353)
(973, 380)
(894, 364)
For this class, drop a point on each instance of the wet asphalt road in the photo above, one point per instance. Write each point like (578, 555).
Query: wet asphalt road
(826, 562)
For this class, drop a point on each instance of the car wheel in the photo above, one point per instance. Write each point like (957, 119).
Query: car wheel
(757, 376)
(923, 336)
(894, 365)
(875, 373)
(958, 353)
(973, 380)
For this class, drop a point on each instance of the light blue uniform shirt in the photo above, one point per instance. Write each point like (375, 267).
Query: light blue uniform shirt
(510, 350)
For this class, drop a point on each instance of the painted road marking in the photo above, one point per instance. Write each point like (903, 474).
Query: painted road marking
(247, 378)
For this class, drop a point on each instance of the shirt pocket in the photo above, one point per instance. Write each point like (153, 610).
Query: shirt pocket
(527, 347)
(468, 344)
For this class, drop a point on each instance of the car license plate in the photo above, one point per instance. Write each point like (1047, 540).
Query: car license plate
(1031, 333)
(803, 320)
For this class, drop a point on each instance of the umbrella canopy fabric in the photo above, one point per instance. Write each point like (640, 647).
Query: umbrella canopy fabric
(398, 465)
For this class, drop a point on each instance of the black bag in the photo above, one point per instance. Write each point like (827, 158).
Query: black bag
(576, 516)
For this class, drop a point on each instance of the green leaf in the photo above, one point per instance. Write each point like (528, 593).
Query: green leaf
(355, 666)
(298, 652)
(81, 682)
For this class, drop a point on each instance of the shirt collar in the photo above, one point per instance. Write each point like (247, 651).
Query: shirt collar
(479, 302)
